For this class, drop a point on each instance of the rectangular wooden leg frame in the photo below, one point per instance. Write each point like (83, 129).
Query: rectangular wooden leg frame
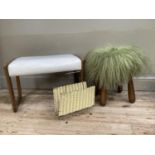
(15, 102)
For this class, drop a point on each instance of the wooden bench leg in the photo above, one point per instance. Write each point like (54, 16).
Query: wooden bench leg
(76, 77)
(119, 89)
(10, 88)
(104, 95)
(19, 89)
(81, 76)
(131, 91)
(82, 71)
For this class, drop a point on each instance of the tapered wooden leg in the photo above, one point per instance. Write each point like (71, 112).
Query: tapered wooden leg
(104, 95)
(19, 89)
(119, 89)
(10, 88)
(131, 91)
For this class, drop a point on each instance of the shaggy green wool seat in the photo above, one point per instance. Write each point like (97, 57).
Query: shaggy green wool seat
(113, 66)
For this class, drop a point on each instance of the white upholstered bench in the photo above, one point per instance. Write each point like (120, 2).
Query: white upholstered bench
(39, 65)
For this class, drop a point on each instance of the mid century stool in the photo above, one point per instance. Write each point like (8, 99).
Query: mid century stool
(39, 65)
(110, 67)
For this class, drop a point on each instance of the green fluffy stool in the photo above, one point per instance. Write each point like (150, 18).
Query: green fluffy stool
(111, 67)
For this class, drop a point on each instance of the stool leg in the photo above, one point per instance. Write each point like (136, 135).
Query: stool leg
(10, 88)
(131, 91)
(119, 89)
(19, 89)
(97, 89)
(104, 95)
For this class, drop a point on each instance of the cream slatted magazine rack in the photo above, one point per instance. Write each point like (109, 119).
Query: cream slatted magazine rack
(73, 97)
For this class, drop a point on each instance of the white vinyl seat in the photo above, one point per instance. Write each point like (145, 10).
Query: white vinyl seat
(44, 64)
(34, 65)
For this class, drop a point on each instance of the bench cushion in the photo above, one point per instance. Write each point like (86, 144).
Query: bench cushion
(44, 64)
